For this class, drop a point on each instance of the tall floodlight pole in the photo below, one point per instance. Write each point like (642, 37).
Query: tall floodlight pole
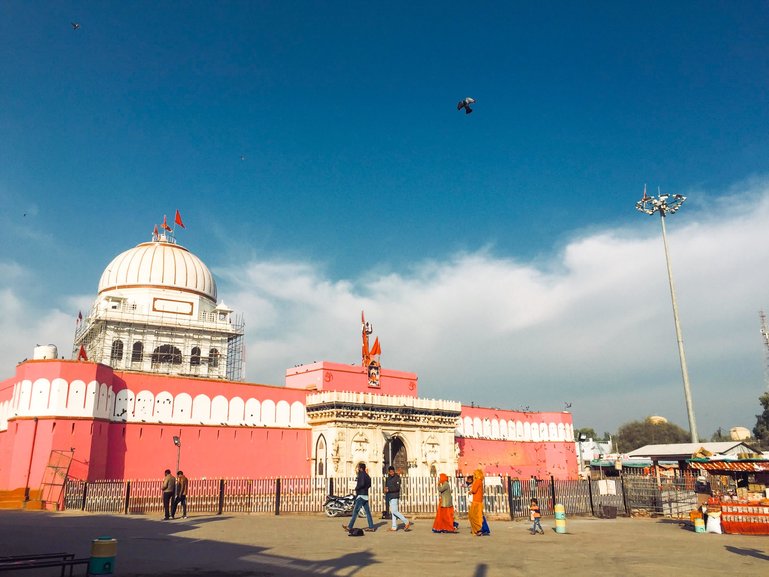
(650, 205)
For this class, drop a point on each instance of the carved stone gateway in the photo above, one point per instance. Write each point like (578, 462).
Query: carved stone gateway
(416, 435)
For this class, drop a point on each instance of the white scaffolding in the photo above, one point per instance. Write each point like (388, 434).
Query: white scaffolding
(126, 336)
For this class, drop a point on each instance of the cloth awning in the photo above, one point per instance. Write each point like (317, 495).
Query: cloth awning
(747, 466)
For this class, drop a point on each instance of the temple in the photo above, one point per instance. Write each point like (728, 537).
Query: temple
(155, 378)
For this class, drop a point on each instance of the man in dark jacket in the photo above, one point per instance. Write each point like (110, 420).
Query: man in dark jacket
(181, 495)
(168, 488)
(393, 494)
(361, 499)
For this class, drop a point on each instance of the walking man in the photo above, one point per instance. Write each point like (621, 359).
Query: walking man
(362, 486)
(393, 493)
(181, 495)
(168, 487)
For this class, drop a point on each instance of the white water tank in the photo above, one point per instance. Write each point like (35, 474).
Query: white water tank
(45, 352)
(739, 433)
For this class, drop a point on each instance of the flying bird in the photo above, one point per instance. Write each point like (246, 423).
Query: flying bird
(75, 25)
(466, 104)
(567, 405)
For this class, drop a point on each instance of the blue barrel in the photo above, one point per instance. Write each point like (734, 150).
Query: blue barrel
(103, 553)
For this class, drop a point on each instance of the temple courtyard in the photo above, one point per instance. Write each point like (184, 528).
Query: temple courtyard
(266, 545)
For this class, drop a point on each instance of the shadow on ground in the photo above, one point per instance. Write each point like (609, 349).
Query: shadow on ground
(151, 547)
(747, 552)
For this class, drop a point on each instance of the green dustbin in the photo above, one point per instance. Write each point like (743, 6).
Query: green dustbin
(103, 552)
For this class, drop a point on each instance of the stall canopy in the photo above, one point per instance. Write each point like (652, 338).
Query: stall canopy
(745, 465)
(685, 451)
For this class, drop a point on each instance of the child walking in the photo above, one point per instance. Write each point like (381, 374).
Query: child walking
(535, 515)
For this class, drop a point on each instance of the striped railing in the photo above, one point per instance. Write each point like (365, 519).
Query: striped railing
(503, 496)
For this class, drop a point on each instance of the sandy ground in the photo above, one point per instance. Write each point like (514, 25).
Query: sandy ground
(313, 545)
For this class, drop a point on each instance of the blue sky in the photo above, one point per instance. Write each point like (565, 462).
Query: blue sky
(477, 243)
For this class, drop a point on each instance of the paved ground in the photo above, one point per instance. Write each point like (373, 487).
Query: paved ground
(252, 545)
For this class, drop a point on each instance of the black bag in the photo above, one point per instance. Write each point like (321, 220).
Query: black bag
(356, 532)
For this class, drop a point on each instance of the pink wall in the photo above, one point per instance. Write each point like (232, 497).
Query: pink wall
(518, 459)
(105, 449)
(325, 376)
(517, 443)
(208, 451)
(490, 413)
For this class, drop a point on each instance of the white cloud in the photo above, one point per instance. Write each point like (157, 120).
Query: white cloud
(27, 319)
(593, 327)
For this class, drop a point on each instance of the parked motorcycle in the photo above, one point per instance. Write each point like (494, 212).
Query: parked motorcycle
(336, 506)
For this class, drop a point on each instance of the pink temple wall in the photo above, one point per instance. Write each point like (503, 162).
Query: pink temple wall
(240, 432)
(227, 441)
(517, 443)
(518, 459)
(325, 376)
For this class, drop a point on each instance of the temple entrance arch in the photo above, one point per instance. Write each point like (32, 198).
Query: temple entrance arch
(320, 457)
(395, 455)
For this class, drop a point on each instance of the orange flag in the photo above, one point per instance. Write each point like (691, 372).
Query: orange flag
(376, 349)
(81, 355)
(178, 220)
(165, 224)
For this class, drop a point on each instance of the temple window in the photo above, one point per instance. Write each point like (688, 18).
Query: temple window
(213, 358)
(137, 352)
(195, 356)
(117, 351)
(167, 354)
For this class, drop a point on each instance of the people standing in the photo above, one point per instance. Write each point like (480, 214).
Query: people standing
(168, 487)
(475, 514)
(181, 495)
(535, 515)
(393, 494)
(362, 485)
(444, 516)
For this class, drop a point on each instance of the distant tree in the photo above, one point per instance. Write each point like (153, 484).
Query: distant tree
(761, 430)
(719, 436)
(636, 434)
(587, 431)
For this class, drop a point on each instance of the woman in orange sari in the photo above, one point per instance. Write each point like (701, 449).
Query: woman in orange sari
(444, 516)
(475, 514)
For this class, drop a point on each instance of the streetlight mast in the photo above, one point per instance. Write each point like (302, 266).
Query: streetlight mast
(178, 443)
(660, 204)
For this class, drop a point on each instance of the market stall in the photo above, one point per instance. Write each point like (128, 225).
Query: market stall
(739, 492)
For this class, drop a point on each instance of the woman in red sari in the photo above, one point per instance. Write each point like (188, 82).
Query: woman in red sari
(475, 514)
(444, 516)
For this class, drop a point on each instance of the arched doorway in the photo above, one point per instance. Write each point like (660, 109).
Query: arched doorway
(395, 455)
(320, 457)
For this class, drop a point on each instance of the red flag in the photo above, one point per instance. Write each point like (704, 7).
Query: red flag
(155, 232)
(165, 224)
(376, 349)
(81, 355)
(178, 220)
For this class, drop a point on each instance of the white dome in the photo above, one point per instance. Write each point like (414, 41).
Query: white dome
(159, 264)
